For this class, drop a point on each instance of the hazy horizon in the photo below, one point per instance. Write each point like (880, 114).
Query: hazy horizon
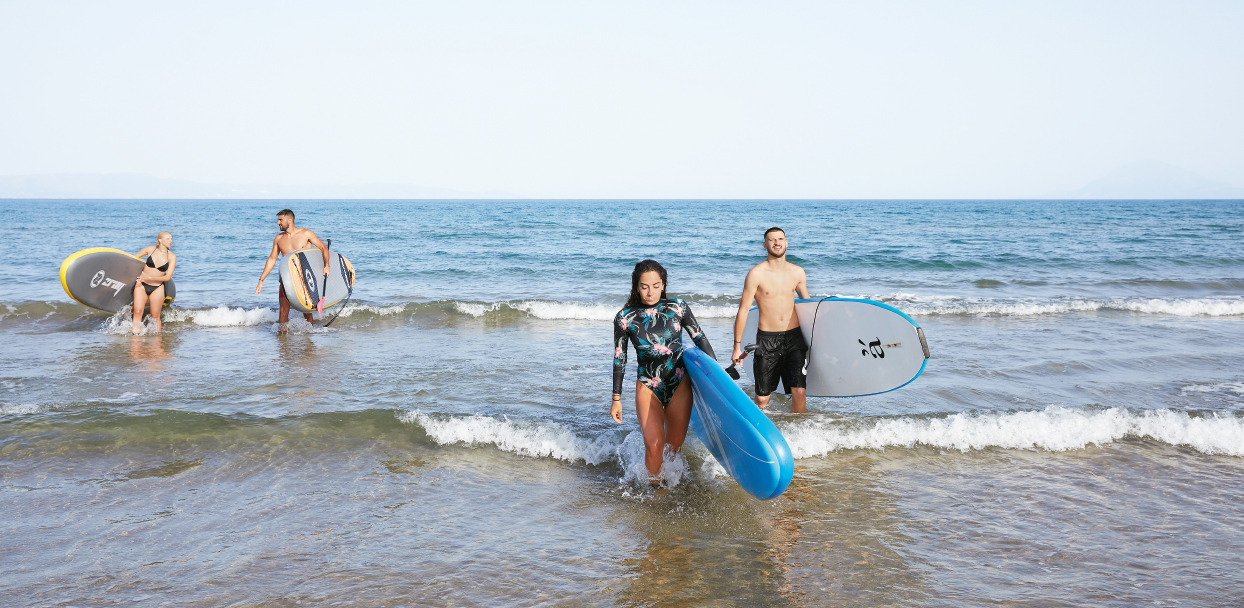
(796, 100)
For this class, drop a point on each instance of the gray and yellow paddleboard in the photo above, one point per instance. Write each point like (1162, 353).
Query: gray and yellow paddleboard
(104, 278)
(302, 274)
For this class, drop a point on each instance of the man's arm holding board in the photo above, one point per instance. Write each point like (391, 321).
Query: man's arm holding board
(315, 240)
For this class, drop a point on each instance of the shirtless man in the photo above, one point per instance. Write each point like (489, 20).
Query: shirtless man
(781, 351)
(291, 239)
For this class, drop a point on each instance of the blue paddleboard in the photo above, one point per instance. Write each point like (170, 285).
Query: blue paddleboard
(737, 433)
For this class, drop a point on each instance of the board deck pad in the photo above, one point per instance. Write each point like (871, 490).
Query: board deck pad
(735, 431)
(103, 279)
(302, 275)
(857, 347)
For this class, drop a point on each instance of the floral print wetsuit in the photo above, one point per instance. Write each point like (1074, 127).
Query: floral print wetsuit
(657, 334)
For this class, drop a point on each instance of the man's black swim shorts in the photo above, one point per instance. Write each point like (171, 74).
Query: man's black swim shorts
(779, 355)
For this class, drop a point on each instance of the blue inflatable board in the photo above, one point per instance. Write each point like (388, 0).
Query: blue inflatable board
(737, 433)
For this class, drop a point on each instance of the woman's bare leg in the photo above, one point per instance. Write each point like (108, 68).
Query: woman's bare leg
(678, 415)
(157, 302)
(140, 301)
(652, 423)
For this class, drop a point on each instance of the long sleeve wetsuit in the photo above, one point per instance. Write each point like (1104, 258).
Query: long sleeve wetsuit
(657, 333)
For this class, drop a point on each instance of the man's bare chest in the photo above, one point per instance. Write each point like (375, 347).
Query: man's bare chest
(775, 285)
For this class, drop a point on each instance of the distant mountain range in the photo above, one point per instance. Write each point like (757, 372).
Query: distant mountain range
(1152, 179)
(1146, 179)
(133, 185)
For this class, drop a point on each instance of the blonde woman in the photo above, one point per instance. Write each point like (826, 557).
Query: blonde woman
(150, 285)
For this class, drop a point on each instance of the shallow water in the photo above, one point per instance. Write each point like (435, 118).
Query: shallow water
(1077, 439)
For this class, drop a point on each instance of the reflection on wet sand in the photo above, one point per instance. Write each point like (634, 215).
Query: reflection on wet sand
(302, 372)
(703, 546)
(835, 537)
(149, 353)
(839, 535)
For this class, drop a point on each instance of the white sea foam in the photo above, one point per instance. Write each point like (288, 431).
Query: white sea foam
(299, 325)
(952, 305)
(635, 470)
(122, 324)
(703, 311)
(911, 304)
(352, 309)
(567, 310)
(575, 310)
(533, 439)
(1225, 387)
(224, 316)
(543, 310)
(1054, 429)
(475, 309)
(551, 440)
(1210, 307)
(22, 408)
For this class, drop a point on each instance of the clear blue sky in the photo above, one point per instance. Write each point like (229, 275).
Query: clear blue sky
(626, 99)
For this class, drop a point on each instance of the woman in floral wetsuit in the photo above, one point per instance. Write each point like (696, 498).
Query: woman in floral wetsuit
(655, 324)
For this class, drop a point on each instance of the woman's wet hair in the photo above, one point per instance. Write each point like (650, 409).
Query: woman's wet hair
(640, 269)
(163, 234)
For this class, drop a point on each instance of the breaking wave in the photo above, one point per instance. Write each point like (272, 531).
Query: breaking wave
(1054, 429)
(704, 307)
(1225, 387)
(552, 440)
(954, 305)
(535, 439)
(541, 309)
(223, 316)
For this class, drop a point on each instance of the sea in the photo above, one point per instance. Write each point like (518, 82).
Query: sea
(1076, 439)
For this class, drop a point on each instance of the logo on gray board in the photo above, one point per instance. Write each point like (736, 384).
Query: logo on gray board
(113, 284)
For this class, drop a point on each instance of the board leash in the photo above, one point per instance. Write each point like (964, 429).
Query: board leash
(812, 337)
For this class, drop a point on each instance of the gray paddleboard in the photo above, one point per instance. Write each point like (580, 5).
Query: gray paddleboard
(856, 347)
(302, 275)
(104, 278)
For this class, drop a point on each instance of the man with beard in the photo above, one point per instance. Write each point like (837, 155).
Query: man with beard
(781, 353)
(291, 239)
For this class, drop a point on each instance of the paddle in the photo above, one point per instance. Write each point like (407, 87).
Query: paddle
(345, 275)
(324, 292)
(734, 373)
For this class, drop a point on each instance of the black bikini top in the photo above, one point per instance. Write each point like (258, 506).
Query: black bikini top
(151, 264)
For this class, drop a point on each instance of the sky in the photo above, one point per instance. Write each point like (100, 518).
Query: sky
(634, 99)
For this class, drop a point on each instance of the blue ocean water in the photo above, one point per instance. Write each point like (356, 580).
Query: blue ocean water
(1076, 439)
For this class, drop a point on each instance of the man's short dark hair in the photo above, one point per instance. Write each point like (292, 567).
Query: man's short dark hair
(291, 214)
(774, 229)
